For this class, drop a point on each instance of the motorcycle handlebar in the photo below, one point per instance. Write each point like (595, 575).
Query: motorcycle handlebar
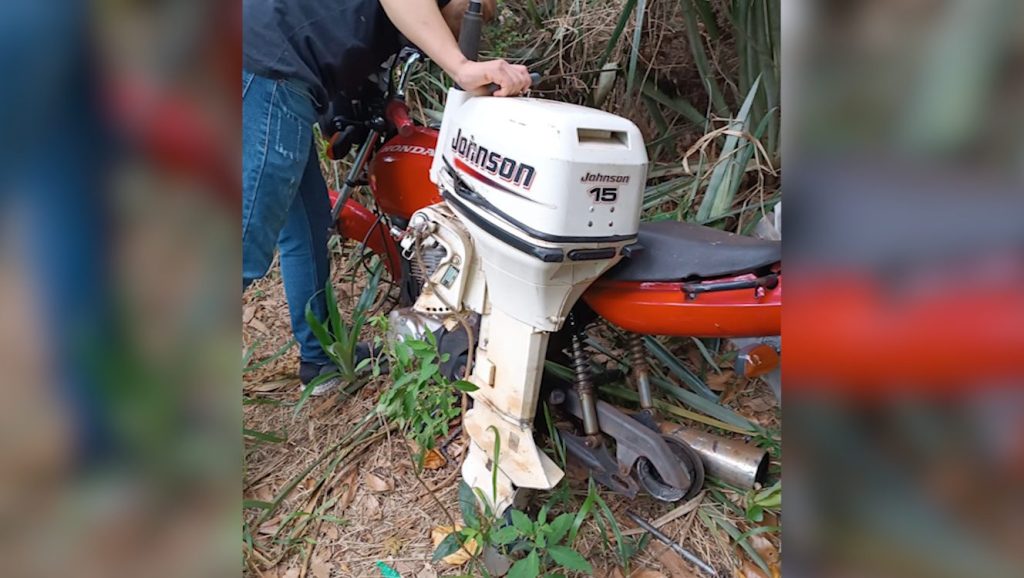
(470, 30)
(397, 114)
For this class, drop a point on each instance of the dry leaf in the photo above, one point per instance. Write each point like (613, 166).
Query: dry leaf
(248, 313)
(673, 562)
(274, 572)
(765, 548)
(695, 357)
(264, 494)
(768, 552)
(377, 484)
(292, 572)
(613, 572)
(259, 326)
(719, 381)
(759, 403)
(433, 460)
(320, 567)
(269, 385)
(369, 507)
(749, 570)
(460, 556)
(427, 572)
(331, 531)
(646, 573)
(270, 527)
(403, 567)
(350, 491)
(391, 546)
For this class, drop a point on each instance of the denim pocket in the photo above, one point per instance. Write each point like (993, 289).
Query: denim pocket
(288, 127)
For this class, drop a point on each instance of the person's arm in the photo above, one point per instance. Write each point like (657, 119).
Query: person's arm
(421, 22)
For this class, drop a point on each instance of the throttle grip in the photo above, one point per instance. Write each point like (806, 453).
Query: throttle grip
(398, 114)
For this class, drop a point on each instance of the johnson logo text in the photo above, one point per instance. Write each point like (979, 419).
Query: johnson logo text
(493, 162)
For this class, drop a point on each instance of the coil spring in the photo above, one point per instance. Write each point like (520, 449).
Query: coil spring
(579, 363)
(637, 355)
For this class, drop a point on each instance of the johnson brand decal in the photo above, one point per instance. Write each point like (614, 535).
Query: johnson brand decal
(601, 178)
(493, 162)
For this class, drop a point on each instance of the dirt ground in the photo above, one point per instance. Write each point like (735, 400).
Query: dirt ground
(371, 508)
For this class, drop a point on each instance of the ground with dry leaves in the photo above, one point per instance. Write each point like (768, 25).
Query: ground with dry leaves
(371, 507)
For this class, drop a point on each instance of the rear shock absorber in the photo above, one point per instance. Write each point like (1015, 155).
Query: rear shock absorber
(641, 372)
(584, 385)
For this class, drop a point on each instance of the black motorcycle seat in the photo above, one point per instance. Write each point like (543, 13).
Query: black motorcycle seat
(674, 251)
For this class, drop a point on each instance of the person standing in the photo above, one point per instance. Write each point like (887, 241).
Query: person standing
(297, 55)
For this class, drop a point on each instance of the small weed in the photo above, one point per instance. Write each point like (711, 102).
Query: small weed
(421, 400)
(758, 501)
(544, 546)
(339, 337)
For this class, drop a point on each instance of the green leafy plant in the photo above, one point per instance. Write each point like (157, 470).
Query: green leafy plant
(421, 400)
(545, 545)
(758, 501)
(339, 337)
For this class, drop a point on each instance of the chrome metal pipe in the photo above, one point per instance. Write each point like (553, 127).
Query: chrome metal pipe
(734, 462)
(353, 174)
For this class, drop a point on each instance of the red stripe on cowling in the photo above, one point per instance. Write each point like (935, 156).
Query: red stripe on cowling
(460, 164)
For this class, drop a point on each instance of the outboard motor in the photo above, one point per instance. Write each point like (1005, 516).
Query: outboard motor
(541, 198)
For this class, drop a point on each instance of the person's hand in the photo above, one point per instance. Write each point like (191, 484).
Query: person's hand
(512, 78)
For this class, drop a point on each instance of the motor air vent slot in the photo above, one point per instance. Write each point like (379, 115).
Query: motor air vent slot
(602, 137)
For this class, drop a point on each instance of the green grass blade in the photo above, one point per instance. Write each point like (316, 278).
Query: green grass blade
(707, 16)
(703, 405)
(613, 40)
(276, 355)
(662, 354)
(333, 313)
(700, 59)
(737, 537)
(677, 104)
(263, 436)
(620, 392)
(721, 190)
(655, 148)
(706, 354)
(308, 390)
(634, 53)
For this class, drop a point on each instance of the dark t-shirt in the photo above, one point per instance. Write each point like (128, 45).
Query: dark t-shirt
(330, 45)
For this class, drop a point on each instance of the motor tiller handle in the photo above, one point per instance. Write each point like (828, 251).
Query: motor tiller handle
(397, 114)
(492, 87)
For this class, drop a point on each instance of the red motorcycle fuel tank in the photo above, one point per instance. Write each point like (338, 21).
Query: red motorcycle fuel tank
(399, 173)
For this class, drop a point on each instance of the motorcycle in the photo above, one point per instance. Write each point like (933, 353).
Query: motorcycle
(512, 226)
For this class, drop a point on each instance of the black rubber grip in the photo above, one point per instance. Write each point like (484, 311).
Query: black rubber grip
(534, 80)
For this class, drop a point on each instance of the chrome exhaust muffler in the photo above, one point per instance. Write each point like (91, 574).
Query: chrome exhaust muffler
(734, 462)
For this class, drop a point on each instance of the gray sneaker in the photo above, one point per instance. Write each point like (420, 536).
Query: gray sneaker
(309, 371)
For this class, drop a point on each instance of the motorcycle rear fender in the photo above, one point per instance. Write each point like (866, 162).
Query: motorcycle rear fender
(658, 308)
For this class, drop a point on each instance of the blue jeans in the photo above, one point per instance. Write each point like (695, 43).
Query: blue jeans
(284, 200)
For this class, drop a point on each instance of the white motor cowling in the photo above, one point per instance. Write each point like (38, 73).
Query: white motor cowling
(551, 191)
